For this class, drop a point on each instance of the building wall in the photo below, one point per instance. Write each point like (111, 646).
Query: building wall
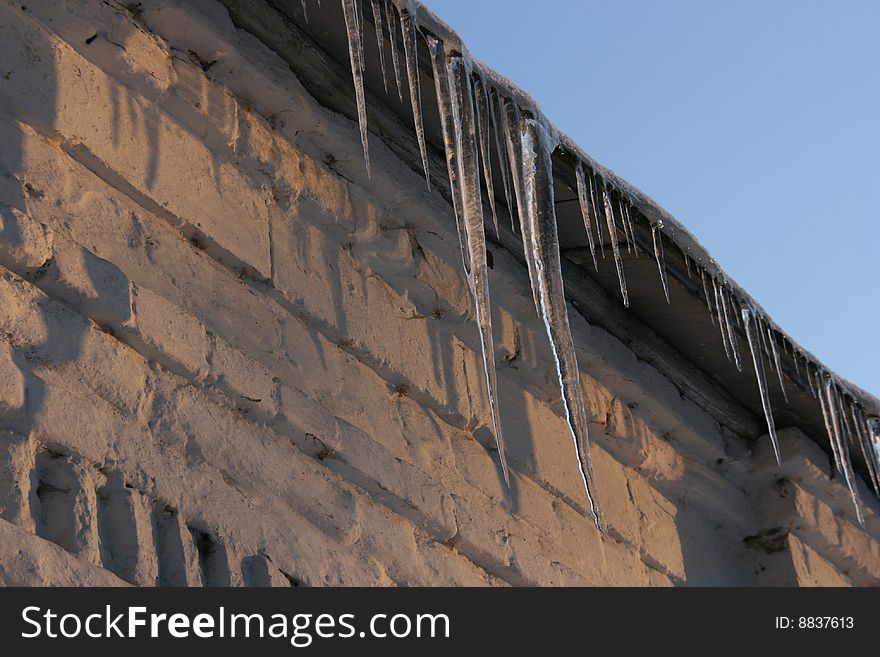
(229, 357)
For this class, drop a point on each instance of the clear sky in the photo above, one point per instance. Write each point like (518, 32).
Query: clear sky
(754, 123)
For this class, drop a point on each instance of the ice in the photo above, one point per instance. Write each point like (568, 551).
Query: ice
(392, 39)
(541, 245)
(305, 11)
(706, 294)
(629, 239)
(588, 212)
(722, 325)
(615, 247)
(355, 52)
(661, 259)
(465, 146)
(444, 106)
(727, 310)
(873, 428)
(862, 437)
(408, 31)
(629, 222)
(380, 40)
(481, 98)
(495, 108)
(771, 338)
(752, 335)
(832, 400)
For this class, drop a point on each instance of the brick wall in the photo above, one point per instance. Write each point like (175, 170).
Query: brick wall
(229, 357)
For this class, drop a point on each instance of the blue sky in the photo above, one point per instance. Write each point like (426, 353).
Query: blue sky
(754, 123)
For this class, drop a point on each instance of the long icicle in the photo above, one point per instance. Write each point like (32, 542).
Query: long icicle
(660, 257)
(352, 28)
(873, 428)
(615, 246)
(757, 359)
(586, 210)
(408, 31)
(510, 120)
(842, 447)
(359, 14)
(392, 39)
(727, 307)
(596, 198)
(472, 216)
(706, 294)
(541, 244)
(826, 417)
(444, 105)
(380, 40)
(495, 109)
(481, 98)
(771, 338)
(865, 444)
(721, 323)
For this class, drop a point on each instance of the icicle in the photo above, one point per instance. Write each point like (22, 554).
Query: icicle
(597, 203)
(842, 448)
(794, 357)
(510, 122)
(586, 210)
(444, 106)
(722, 325)
(495, 109)
(395, 58)
(706, 294)
(752, 336)
(541, 244)
(773, 348)
(472, 218)
(615, 247)
(687, 265)
(864, 440)
(359, 14)
(626, 235)
(305, 11)
(481, 98)
(727, 308)
(355, 53)
(826, 418)
(408, 30)
(661, 259)
(632, 232)
(380, 40)
(873, 426)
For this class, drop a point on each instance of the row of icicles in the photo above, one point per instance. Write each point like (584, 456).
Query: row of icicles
(475, 116)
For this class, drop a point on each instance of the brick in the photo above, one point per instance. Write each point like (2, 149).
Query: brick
(165, 333)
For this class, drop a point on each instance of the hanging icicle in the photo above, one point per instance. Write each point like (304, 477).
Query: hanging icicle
(408, 31)
(722, 325)
(752, 337)
(706, 295)
(392, 39)
(465, 145)
(660, 257)
(481, 99)
(355, 54)
(727, 309)
(771, 338)
(500, 150)
(837, 437)
(541, 245)
(380, 40)
(615, 247)
(305, 11)
(587, 210)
